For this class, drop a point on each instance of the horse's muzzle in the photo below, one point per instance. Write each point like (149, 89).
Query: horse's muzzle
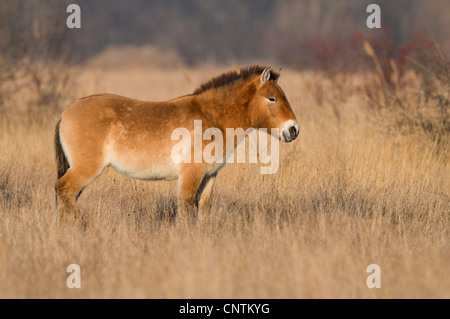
(290, 131)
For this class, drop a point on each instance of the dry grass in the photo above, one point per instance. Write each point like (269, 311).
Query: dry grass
(351, 191)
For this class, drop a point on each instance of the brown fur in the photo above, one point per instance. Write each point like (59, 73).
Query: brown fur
(135, 136)
(61, 160)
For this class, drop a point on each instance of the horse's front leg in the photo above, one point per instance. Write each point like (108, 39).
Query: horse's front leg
(190, 180)
(204, 195)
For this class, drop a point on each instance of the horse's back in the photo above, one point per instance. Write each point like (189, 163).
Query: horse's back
(99, 106)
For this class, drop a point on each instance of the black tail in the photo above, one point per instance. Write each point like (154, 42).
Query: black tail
(61, 160)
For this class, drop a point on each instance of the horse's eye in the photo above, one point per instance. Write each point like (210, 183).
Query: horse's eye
(272, 99)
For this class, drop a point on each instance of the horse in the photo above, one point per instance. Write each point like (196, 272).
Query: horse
(134, 137)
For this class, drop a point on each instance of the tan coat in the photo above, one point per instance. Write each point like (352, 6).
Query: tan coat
(134, 136)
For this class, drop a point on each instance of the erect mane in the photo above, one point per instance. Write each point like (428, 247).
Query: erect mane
(231, 77)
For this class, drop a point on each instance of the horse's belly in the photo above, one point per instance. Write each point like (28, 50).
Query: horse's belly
(144, 166)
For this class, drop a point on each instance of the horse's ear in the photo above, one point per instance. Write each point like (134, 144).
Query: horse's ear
(265, 76)
(279, 73)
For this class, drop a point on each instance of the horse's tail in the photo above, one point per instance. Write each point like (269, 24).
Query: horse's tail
(61, 161)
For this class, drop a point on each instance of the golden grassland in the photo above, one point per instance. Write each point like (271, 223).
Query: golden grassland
(354, 189)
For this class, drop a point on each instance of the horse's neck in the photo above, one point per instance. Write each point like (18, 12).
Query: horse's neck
(227, 107)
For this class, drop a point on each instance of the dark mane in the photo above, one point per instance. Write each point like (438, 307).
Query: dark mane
(230, 77)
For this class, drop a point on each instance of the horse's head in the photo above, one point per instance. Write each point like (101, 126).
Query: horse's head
(269, 107)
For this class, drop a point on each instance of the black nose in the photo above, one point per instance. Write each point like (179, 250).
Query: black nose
(293, 131)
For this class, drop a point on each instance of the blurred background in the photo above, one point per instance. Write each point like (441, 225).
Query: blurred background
(36, 47)
(290, 32)
(366, 182)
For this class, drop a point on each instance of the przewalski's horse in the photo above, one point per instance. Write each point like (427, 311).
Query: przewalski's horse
(134, 136)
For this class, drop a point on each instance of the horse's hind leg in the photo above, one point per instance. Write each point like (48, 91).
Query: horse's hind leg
(69, 186)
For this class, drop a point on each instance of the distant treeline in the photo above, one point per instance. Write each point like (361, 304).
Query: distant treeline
(219, 31)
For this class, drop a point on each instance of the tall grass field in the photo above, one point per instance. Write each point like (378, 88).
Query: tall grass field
(366, 182)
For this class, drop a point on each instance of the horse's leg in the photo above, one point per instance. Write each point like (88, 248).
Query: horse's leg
(66, 190)
(204, 194)
(191, 177)
(70, 185)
